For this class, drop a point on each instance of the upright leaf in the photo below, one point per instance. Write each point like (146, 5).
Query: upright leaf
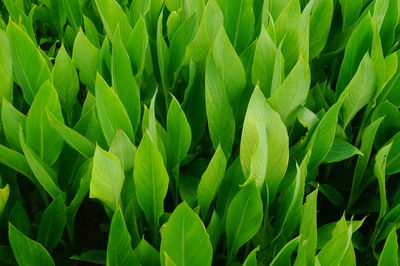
(6, 68)
(107, 179)
(379, 170)
(185, 239)
(389, 255)
(151, 180)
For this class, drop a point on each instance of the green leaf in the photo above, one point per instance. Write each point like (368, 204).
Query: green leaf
(16, 161)
(351, 10)
(107, 179)
(179, 134)
(52, 224)
(229, 66)
(390, 124)
(292, 93)
(320, 25)
(341, 150)
(147, 254)
(74, 139)
(244, 217)
(210, 24)
(185, 239)
(221, 121)
(65, 81)
(251, 259)
(379, 170)
(74, 13)
(352, 97)
(6, 68)
(284, 255)
(389, 255)
(4, 194)
(91, 31)
(151, 181)
(238, 22)
(86, 58)
(119, 249)
(29, 78)
(40, 136)
(111, 111)
(43, 173)
(124, 82)
(264, 147)
(359, 43)
(26, 251)
(11, 119)
(264, 61)
(308, 231)
(112, 15)
(211, 180)
(214, 230)
(123, 148)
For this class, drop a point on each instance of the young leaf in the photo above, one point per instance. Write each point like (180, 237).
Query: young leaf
(52, 224)
(179, 134)
(185, 239)
(251, 259)
(119, 249)
(26, 251)
(147, 254)
(29, 78)
(107, 179)
(211, 180)
(379, 170)
(284, 255)
(11, 119)
(151, 181)
(4, 194)
(123, 148)
(389, 255)
(341, 150)
(6, 68)
(111, 111)
(244, 217)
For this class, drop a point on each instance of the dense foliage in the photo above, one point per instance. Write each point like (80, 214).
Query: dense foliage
(194, 132)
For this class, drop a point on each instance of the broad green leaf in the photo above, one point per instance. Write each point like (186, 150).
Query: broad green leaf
(16, 161)
(91, 31)
(210, 24)
(287, 27)
(285, 254)
(112, 15)
(111, 111)
(74, 139)
(26, 251)
(40, 136)
(238, 22)
(124, 82)
(86, 58)
(173, 5)
(389, 255)
(292, 93)
(123, 148)
(389, 24)
(325, 231)
(4, 194)
(359, 43)
(215, 230)
(264, 147)
(119, 249)
(52, 224)
(393, 159)
(320, 25)
(151, 181)
(11, 119)
(323, 136)
(164, 56)
(341, 150)
(179, 134)
(390, 124)
(74, 13)
(379, 170)
(243, 218)
(333, 253)
(58, 13)
(211, 180)
(29, 78)
(147, 254)
(367, 141)
(107, 179)
(351, 10)
(185, 239)
(352, 97)
(308, 231)
(65, 81)
(264, 61)
(19, 218)
(220, 117)
(251, 259)
(6, 68)
(43, 173)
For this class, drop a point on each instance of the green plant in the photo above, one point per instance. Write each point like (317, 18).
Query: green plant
(177, 132)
